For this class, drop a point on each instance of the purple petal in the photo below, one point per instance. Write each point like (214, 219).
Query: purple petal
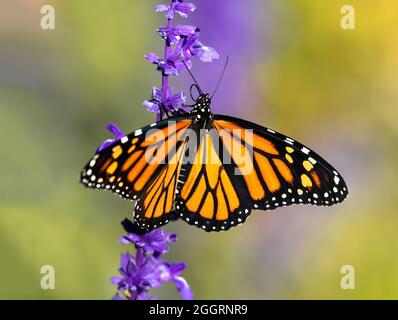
(105, 144)
(117, 297)
(183, 287)
(162, 8)
(155, 235)
(176, 101)
(169, 69)
(140, 243)
(170, 13)
(125, 260)
(151, 57)
(177, 268)
(129, 238)
(182, 14)
(186, 56)
(184, 30)
(151, 105)
(116, 280)
(124, 240)
(205, 53)
(149, 249)
(157, 93)
(184, 8)
(140, 257)
(163, 29)
(180, 66)
(191, 40)
(187, 46)
(164, 32)
(159, 247)
(163, 273)
(115, 130)
(172, 237)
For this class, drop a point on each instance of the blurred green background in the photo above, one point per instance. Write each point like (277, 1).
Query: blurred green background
(293, 68)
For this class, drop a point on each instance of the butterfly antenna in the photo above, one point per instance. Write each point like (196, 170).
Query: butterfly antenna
(192, 76)
(221, 77)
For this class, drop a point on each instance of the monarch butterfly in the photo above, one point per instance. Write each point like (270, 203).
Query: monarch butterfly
(212, 195)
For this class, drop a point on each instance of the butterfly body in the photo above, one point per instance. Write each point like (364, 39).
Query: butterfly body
(201, 111)
(213, 171)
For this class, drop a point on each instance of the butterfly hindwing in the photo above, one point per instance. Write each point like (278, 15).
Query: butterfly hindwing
(209, 195)
(155, 204)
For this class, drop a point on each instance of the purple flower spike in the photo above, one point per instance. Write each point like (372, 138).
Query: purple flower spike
(114, 129)
(181, 45)
(147, 269)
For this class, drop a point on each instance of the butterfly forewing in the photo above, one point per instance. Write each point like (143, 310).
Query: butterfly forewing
(130, 164)
(284, 171)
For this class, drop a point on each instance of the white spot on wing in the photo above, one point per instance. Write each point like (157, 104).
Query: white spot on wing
(289, 142)
(312, 160)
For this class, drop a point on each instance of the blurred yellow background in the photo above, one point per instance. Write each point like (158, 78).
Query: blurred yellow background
(293, 68)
